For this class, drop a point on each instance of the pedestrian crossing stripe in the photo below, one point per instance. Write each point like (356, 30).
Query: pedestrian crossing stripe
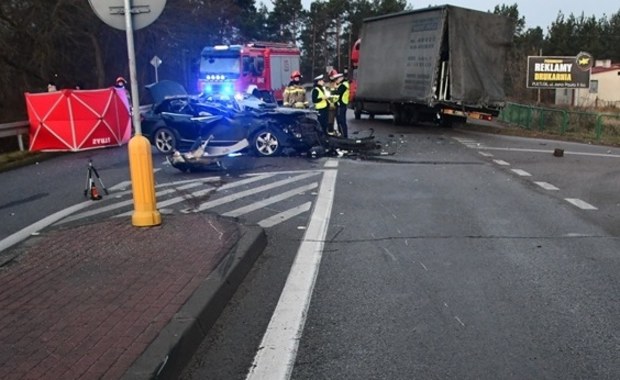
(206, 186)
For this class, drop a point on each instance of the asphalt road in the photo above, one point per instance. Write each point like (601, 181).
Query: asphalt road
(465, 255)
(443, 263)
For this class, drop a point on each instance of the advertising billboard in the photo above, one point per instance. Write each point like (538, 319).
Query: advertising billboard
(559, 72)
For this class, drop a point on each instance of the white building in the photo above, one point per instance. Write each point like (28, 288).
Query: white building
(604, 88)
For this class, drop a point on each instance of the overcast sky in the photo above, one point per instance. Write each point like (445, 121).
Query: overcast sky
(536, 12)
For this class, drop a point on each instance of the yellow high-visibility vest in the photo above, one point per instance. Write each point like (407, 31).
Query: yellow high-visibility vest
(345, 96)
(322, 103)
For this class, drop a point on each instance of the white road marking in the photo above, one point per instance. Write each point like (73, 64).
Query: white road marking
(128, 202)
(285, 215)
(246, 181)
(581, 204)
(390, 254)
(120, 186)
(522, 173)
(276, 173)
(501, 162)
(551, 152)
(424, 266)
(278, 349)
(176, 183)
(47, 221)
(185, 197)
(256, 190)
(271, 200)
(546, 185)
(485, 154)
(331, 164)
(459, 320)
(225, 199)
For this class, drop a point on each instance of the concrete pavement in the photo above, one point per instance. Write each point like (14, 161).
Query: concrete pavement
(107, 300)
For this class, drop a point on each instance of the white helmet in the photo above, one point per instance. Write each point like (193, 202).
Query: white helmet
(251, 89)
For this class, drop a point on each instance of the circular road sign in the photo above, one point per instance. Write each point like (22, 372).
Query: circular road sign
(143, 12)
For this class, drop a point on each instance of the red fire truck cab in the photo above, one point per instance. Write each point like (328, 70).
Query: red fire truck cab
(232, 69)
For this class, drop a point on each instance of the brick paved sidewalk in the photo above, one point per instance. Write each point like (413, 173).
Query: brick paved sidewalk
(86, 302)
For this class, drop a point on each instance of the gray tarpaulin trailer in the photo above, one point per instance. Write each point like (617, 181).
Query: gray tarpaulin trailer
(441, 61)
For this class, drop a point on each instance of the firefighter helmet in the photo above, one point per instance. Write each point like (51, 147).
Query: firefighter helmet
(332, 74)
(296, 74)
(120, 79)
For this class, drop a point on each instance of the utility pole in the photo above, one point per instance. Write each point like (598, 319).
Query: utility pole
(540, 55)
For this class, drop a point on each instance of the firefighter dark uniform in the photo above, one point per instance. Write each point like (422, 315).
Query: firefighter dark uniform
(319, 99)
(342, 104)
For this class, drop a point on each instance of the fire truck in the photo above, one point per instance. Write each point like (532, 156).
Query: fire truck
(232, 69)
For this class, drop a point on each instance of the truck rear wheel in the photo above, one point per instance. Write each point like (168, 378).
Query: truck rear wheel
(449, 121)
(357, 111)
(399, 116)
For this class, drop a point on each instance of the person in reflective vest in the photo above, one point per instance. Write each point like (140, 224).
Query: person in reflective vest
(295, 93)
(342, 103)
(319, 100)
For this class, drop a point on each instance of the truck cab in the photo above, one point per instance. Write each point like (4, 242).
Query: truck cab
(232, 69)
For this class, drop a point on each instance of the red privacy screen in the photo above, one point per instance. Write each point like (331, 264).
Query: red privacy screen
(75, 120)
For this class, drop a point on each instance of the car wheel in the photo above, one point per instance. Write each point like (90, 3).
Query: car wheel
(165, 140)
(266, 143)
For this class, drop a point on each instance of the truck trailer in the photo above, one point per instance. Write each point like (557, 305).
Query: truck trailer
(441, 63)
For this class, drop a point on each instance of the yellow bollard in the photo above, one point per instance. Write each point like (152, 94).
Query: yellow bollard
(143, 183)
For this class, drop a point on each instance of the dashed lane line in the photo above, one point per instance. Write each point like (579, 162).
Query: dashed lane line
(581, 204)
(546, 185)
(521, 172)
(501, 162)
(566, 153)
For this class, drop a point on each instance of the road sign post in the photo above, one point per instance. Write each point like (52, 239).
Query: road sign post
(140, 157)
(156, 61)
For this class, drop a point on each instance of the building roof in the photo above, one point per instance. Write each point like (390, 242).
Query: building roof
(602, 69)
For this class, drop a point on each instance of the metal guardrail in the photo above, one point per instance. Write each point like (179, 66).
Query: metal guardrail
(18, 128)
(21, 128)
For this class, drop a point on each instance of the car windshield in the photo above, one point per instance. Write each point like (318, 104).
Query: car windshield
(219, 65)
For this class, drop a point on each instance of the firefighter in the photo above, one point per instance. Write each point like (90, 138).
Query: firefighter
(332, 97)
(319, 100)
(295, 93)
(121, 83)
(342, 91)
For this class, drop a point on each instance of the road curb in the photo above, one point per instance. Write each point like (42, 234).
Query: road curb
(31, 159)
(169, 353)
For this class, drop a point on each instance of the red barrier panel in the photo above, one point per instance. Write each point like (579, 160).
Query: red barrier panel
(75, 120)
